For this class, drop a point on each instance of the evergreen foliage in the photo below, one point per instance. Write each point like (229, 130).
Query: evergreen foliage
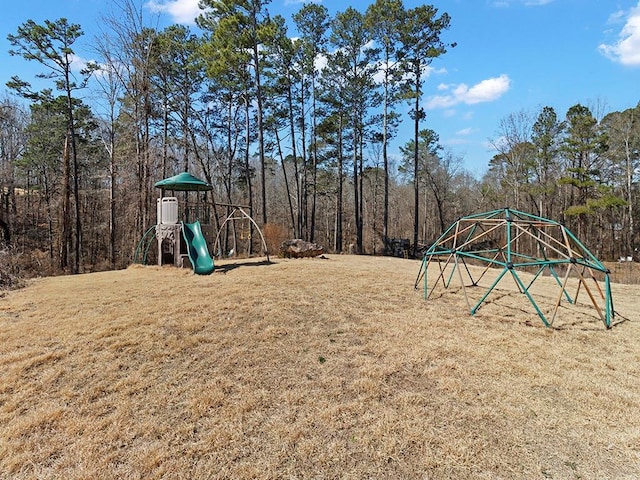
(294, 125)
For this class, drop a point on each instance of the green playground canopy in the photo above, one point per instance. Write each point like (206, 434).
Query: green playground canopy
(184, 182)
(507, 243)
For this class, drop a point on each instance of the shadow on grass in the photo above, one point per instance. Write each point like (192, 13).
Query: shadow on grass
(589, 322)
(232, 266)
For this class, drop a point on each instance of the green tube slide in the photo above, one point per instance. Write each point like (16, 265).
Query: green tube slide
(197, 248)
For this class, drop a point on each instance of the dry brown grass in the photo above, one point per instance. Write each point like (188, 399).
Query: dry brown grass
(309, 369)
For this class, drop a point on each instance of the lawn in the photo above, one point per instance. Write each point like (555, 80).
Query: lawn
(311, 369)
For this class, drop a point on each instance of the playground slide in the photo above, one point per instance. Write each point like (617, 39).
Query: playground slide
(197, 248)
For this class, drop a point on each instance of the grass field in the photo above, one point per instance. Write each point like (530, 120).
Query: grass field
(310, 369)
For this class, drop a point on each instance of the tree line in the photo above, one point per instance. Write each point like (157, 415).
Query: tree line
(297, 129)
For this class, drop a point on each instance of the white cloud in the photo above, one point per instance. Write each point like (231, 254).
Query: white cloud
(627, 49)
(464, 132)
(321, 62)
(454, 142)
(181, 11)
(78, 63)
(617, 17)
(536, 3)
(485, 91)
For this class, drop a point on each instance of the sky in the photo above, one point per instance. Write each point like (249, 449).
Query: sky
(511, 56)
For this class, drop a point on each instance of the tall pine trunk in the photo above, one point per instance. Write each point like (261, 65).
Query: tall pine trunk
(263, 170)
(356, 189)
(416, 185)
(65, 233)
(339, 198)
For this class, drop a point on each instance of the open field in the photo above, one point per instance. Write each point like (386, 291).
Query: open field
(310, 369)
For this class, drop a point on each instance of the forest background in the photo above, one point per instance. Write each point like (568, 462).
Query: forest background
(297, 127)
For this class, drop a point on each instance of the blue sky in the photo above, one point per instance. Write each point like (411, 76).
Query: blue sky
(511, 56)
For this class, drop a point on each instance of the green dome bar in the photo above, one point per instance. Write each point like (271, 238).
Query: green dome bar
(508, 241)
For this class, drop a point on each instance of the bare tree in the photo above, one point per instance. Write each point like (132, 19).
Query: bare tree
(130, 43)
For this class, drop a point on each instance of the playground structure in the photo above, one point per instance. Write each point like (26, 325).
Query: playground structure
(238, 213)
(180, 240)
(508, 243)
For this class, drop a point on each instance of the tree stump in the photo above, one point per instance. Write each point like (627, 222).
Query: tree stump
(298, 248)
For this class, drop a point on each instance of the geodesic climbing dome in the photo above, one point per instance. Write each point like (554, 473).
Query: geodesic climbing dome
(481, 250)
